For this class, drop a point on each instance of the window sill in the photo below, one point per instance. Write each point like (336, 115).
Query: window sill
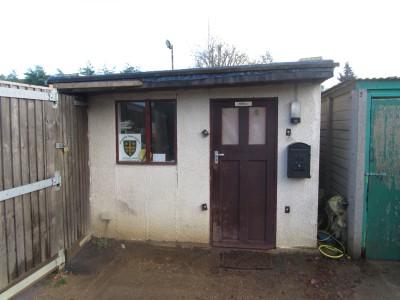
(172, 163)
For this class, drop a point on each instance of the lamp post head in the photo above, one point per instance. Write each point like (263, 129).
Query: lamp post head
(169, 45)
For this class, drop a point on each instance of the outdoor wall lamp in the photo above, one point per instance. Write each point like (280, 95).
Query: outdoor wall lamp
(295, 112)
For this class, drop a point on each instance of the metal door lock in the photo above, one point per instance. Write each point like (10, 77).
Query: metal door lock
(62, 146)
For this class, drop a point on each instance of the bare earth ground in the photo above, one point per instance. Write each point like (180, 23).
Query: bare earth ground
(144, 270)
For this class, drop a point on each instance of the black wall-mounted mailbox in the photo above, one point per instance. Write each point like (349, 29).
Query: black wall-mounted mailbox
(298, 166)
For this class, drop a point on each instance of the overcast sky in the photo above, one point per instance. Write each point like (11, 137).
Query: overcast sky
(66, 34)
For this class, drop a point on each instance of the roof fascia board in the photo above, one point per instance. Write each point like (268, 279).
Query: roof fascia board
(297, 72)
(275, 67)
(339, 87)
(97, 84)
(378, 84)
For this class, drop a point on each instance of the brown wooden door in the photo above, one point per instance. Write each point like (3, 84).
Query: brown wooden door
(244, 179)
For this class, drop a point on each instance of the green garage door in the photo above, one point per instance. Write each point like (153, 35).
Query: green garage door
(383, 199)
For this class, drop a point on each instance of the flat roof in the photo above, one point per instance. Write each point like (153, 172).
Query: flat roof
(316, 71)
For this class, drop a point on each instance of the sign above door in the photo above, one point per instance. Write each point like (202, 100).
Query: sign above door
(243, 103)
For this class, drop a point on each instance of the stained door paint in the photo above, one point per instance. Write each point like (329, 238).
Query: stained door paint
(383, 194)
(244, 179)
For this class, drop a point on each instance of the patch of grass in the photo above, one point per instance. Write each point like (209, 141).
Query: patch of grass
(102, 243)
(59, 279)
(60, 282)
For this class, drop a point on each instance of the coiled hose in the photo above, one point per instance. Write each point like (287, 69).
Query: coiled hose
(328, 245)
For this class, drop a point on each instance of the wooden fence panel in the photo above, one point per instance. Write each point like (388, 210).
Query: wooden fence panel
(50, 138)
(26, 199)
(77, 175)
(7, 184)
(16, 179)
(73, 177)
(84, 140)
(33, 177)
(80, 140)
(42, 197)
(36, 225)
(3, 243)
(75, 169)
(65, 178)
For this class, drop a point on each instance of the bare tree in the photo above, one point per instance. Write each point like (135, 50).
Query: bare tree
(265, 58)
(106, 70)
(219, 54)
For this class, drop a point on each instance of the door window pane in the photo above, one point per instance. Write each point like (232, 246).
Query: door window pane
(230, 126)
(257, 125)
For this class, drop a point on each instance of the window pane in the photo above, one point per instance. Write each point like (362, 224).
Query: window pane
(132, 131)
(230, 126)
(163, 131)
(257, 125)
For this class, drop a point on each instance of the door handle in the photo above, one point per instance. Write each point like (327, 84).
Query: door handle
(379, 174)
(216, 155)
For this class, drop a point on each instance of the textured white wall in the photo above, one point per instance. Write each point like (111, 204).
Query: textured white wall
(299, 227)
(163, 202)
(151, 202)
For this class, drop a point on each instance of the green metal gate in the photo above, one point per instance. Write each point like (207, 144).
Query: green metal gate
(382, 240)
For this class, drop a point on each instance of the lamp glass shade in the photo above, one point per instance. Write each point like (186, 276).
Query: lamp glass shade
(295, 112)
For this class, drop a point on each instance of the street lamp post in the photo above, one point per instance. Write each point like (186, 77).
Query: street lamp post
(171, 47)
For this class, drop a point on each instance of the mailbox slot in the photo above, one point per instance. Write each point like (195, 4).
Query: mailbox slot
(298, 165)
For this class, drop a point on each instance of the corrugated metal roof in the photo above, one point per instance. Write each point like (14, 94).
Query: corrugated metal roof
(302, 71)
